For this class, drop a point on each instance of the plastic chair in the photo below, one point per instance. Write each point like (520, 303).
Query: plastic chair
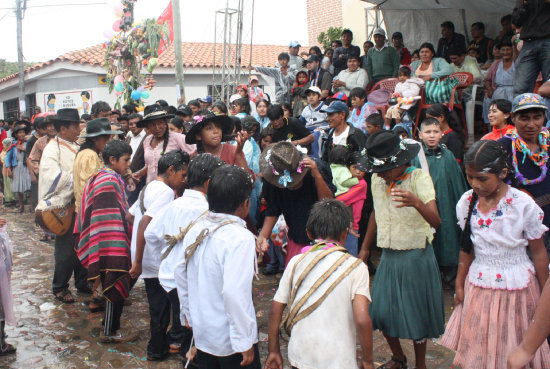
(465, 79)
(384, 84)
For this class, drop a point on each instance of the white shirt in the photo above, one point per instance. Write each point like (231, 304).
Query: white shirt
(332, 319)
(215, 287)
(157, 196)
(342, 138)
(135, 141)
(500, 238)
(178, 214)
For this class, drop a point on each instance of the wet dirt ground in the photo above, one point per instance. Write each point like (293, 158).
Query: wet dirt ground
(50, 334)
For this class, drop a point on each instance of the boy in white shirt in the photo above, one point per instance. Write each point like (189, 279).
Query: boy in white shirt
(314, 119)
(153, 199)
(215, 280)
(325, 337)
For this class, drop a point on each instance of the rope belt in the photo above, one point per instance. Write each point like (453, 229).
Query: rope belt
(172, 241)
(190, 250)
(295, 315)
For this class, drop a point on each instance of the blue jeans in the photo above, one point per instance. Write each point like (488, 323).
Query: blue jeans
(533, 58)
(351, 244)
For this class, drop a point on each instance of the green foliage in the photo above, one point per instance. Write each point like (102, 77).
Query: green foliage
(8, 68)
(326, 38)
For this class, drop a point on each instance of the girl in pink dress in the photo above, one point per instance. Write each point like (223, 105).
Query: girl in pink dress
(497, 286)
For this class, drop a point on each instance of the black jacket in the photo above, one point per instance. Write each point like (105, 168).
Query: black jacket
(356, 141)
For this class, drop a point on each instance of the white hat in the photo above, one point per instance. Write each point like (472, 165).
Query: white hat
(380, 31)
(314, 89)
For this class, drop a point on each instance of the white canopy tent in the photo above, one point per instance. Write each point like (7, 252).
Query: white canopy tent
(420, 20)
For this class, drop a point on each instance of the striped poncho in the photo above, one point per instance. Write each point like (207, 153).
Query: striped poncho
(104, 234)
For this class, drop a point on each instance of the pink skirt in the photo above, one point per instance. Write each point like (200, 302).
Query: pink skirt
(490, 324)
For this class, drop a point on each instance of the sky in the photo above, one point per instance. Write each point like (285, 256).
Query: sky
(50, 31)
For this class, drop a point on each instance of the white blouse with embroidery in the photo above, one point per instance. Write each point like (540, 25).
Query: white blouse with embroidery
(500, 238)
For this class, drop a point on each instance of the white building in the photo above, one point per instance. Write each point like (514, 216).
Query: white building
(71, 75)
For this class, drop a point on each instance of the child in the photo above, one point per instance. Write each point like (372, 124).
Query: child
(498, 286)
(6, 297)
(209, 131)
(341, 175)
(407, 297)
(355, 199)
(407, 91)
(17, 164)
(453, 134)
(252, 154)
(261, 113)
(312, 116)
(153, 200)
(298, 94)
(240, 108)
(104, 247)
(343, 313)
(361, 108)
(449, 186)
(9, 196)
(222, 316)
(402, 130)
(266, 138)
(284, 77)
(287, 109)
(374, 123)
(255, 93)
(174, 217)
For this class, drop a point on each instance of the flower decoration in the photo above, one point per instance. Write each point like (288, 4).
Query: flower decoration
(285, 179)
(198, 118)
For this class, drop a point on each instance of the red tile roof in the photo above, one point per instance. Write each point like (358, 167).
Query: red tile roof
(195, 55)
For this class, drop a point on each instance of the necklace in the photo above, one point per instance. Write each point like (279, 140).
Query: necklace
(540, 159)
(321, 244)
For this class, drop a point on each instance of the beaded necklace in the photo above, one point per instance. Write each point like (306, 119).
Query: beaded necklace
(321, 244)
(540, 160)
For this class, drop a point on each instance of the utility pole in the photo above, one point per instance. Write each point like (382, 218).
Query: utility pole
(177, 48)
(20, 12)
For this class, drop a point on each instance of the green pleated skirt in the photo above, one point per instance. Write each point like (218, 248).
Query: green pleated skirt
(407, 301)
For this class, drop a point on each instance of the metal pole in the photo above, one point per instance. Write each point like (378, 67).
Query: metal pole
(224, 52)
(177, 48)
(251, 37)
(20, 9)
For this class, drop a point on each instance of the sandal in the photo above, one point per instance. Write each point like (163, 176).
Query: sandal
(7, 350)
(65, 296)
(99, 305)
(393, 361)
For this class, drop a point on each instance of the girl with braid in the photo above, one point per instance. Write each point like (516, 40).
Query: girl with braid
(498, 286)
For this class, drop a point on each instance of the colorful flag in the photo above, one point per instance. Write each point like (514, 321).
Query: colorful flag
(166, 16)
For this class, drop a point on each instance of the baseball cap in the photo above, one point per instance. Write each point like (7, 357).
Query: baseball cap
(312, 58)
(335, 107)
(294, 44)
(380, 31)
(528, 101)
(340, 96)
(253, 78)
(315, 89)
(207, 99)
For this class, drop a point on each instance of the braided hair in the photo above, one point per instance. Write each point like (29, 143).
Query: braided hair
(486, 156)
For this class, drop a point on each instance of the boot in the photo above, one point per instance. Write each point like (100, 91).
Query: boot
(5, 348)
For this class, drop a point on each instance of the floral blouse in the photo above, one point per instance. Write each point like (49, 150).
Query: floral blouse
(500, 239)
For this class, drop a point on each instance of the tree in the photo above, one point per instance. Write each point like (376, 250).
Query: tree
(326, 38)
(8, 68)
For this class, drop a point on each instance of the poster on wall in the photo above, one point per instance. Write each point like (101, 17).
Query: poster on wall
(81, 100)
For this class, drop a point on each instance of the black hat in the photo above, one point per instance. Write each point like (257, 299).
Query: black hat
(99, 127)
(312, 58)
(68, 115)
(19, 126)
(200, 121)
(385, 151)
(153, 112)
(185, 111)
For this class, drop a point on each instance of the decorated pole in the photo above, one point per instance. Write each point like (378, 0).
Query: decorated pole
(177, 49)
(132, 49)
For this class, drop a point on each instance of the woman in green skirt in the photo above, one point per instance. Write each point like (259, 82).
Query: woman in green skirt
(407, 301)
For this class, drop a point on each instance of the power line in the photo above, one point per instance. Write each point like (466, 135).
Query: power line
(56, 5)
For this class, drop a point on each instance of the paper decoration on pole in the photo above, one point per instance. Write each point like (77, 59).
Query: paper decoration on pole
(132, 50)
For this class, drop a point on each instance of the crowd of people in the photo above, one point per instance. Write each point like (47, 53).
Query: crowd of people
(195, 199)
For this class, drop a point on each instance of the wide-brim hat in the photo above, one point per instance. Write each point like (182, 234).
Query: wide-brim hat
(385, 151)
(281, 165)
(67, 115)
(99, 127)
(153, 112)
(20, 127)
(199, 122)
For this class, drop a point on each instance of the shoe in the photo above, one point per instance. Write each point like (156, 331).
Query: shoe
(156, 357)
(7, 350)
(121, 336)
(269, 271)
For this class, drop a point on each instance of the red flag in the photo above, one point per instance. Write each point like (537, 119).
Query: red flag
(166, 16)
